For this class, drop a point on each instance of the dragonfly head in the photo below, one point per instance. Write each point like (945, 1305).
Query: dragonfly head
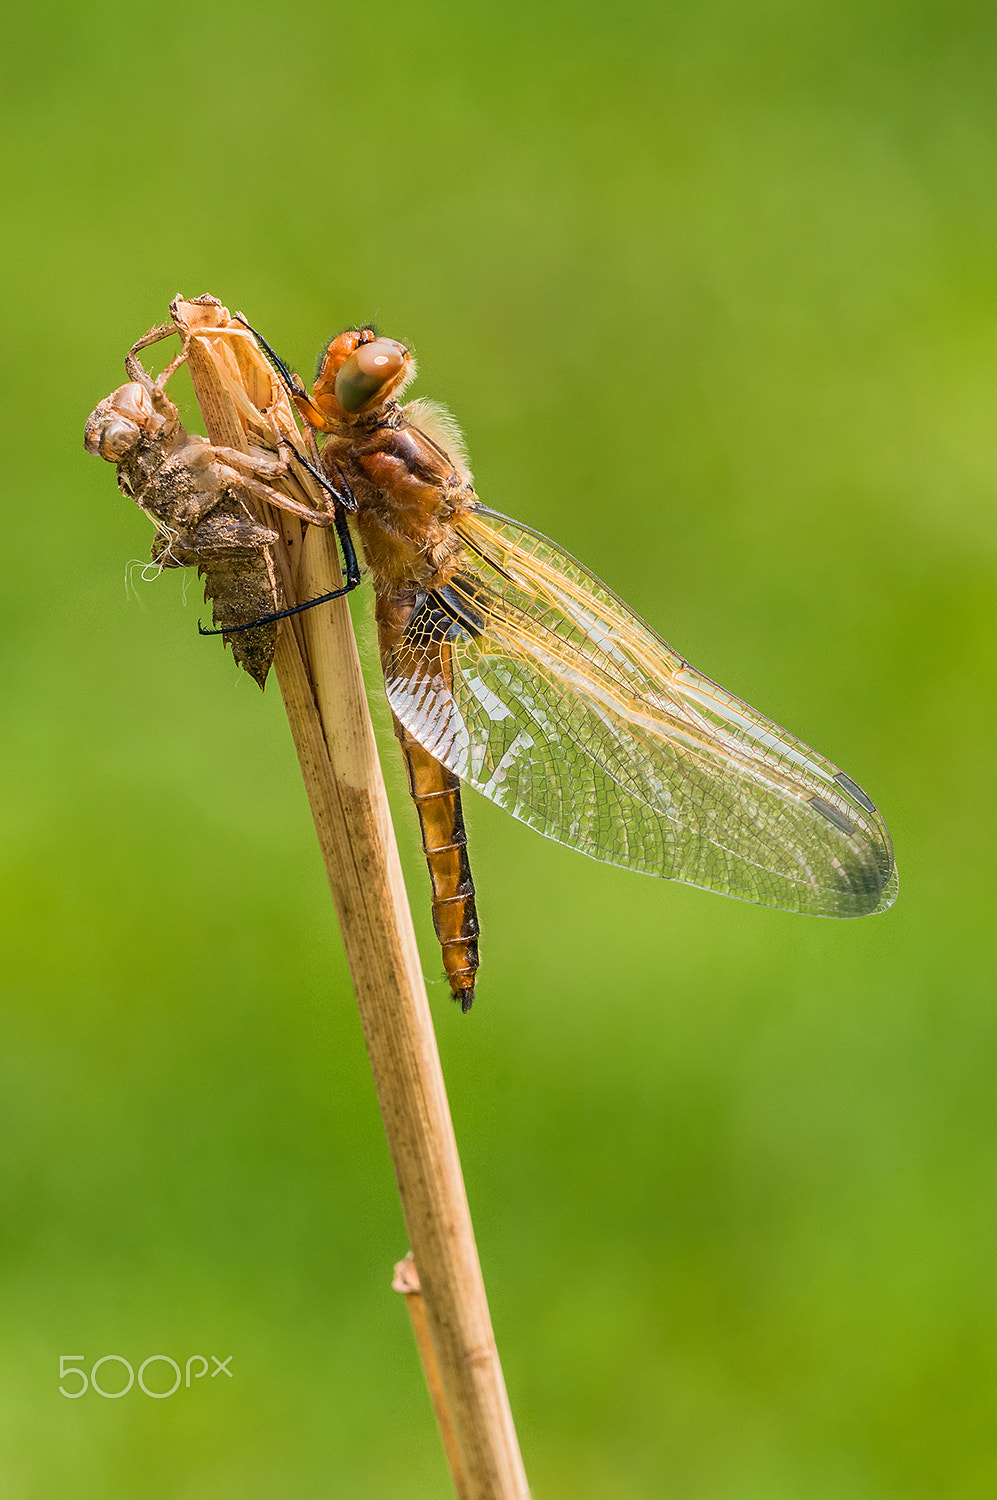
(358, 373)
(115, 428)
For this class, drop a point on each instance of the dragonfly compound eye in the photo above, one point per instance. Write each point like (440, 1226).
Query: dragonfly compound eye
(371, 370)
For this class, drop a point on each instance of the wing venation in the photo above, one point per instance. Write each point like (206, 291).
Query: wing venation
(536, 685)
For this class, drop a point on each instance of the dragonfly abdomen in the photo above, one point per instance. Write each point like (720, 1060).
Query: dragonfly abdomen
(436, 794)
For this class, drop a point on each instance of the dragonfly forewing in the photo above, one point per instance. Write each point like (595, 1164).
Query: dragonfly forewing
(566, 710)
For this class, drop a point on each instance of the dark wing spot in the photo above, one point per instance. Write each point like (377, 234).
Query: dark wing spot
(832, 814)
(855, 791)
(456, 604)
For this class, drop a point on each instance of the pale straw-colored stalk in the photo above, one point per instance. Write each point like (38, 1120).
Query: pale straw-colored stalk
(318, 670)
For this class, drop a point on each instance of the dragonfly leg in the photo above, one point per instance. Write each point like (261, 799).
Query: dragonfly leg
(349, 551)
(292, 383)
(261, 491)
(341, 492)
(282, 614)
(353, 580)
(156, 388)
(154, 336)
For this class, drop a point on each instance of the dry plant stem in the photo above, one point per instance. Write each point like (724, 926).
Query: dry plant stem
(319, 674)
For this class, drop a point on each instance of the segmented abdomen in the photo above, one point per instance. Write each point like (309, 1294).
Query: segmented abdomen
(436, 794)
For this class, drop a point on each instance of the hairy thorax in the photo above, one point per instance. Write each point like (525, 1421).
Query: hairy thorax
(410, 493)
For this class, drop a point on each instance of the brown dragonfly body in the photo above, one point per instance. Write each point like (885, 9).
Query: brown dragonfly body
(509, 666)
(410, 494)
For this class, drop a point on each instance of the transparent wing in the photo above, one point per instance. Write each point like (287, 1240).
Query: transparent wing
(538, 686)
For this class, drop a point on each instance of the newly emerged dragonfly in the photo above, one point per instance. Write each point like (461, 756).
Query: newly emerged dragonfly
(509, 666)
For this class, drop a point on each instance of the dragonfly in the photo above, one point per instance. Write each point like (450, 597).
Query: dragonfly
(511, 668)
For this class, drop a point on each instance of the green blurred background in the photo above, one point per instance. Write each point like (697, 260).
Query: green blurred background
(711, 286)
